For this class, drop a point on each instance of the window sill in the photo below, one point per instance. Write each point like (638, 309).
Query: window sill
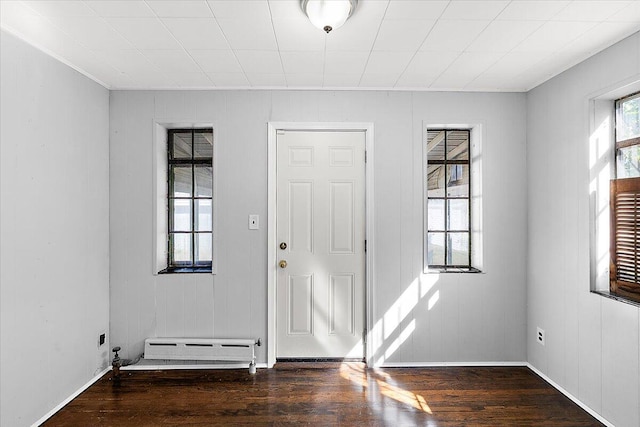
(176, 270)
(613, 296)
(438, 270)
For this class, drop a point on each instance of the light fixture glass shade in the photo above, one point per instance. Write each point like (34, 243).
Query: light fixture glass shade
(328, 14)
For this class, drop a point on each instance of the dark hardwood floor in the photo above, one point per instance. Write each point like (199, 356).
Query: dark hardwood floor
(324, 395)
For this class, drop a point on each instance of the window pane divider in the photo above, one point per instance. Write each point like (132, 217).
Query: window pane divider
(628, 142)
(448, 162)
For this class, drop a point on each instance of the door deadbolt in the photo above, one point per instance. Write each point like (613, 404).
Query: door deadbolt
(283, 246)
(283, 263)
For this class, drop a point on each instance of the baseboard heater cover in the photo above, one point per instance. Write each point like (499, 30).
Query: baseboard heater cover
(212, 349)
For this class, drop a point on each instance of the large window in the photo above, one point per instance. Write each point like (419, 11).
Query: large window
(190, 200)
(625, 201)
(448, 188)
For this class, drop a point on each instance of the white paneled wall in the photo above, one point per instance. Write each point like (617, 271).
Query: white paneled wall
(54, 222)
(419, 318)
(592, 343)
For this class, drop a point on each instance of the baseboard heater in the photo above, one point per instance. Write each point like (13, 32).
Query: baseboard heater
(213, 349)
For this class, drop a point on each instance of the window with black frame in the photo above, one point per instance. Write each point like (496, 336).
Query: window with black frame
(448, 234)
(190, 200)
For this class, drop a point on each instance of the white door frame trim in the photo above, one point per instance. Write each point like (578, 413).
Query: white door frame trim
(273, 127)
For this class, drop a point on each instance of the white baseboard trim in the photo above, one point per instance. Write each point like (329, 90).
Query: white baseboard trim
(449, 364)
(70, 398)
(575, 400)
(184, 367)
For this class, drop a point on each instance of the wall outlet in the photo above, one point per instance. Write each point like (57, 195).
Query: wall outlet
(254, 222)
(102, 338)
(540, 336)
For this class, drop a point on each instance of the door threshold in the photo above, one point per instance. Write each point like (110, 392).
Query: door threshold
(319, 363)
(318, 359)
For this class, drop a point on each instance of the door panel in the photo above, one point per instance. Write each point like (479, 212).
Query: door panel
(300, 305)
(341, 217)
(301, 216)
(320, 217)
(341, 304)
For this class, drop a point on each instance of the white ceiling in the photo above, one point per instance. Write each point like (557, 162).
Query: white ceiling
(474, 45)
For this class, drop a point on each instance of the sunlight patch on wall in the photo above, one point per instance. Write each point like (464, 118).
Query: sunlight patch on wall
(386, 326)
(406, 333)
(427, 281)
(401, 308)
(600, 173)
(434, 299)
(600, 142)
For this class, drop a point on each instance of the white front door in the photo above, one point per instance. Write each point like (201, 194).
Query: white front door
(320, 231)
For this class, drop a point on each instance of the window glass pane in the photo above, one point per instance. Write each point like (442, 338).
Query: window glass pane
(203, 215)
(203, 145)
(435, 215)
(458, 180)
(628, 119)
(204, 181)
(457, 145)
(181, 210)
(458, 249)
(181, 177)
(458, 214)
(435, 248)
(435, 180)
(181, 148)
(435, 145)
(181, 247)
(203, 248)
(628, 162)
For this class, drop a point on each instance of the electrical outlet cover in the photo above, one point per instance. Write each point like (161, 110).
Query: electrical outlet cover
(540, 335)
(254, 222)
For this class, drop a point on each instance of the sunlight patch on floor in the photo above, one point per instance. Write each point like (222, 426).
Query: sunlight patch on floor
(404, 396)
(358, 374)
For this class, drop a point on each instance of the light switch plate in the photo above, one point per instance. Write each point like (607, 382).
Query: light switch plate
(254, 222)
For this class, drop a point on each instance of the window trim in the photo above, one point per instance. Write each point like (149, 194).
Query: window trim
(475, 198)
(160, 191)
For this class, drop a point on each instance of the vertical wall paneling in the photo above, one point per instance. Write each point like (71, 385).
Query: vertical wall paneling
(54, 222)
(419, 318)
(620, 348)
(592, 343)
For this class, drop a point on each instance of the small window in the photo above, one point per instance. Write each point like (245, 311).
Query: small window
(628, 137)
(625, 201)
(190, 201)
(448, 188)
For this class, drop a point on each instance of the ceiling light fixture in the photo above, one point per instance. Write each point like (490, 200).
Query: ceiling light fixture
(328, 14)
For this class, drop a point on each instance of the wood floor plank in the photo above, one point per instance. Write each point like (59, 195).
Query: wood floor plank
(332, 394)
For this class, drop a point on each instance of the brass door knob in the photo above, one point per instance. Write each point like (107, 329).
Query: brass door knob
(282, 263)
